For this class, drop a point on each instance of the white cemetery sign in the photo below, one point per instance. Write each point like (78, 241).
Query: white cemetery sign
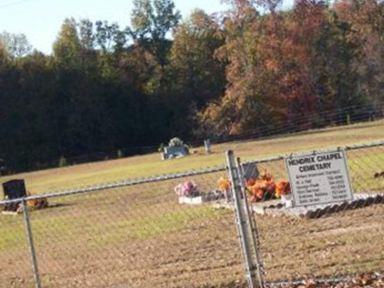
(319, 178)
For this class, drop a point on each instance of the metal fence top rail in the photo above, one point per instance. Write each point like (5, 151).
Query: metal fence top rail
(119, 184)
(346, 148)
(191, 173)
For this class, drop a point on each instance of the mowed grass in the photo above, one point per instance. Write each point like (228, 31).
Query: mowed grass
(136, 230)
(67, 228)
(141, 237)
(124, 237)
(149, 165)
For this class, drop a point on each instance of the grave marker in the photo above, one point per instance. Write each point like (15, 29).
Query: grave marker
(207, 146)
(175, 152)
(250, 171)
(14, 189)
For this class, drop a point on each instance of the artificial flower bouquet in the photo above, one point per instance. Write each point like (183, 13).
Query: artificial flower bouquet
(266, 188)
(187, 189)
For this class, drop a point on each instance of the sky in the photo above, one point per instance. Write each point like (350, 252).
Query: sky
(40, 20)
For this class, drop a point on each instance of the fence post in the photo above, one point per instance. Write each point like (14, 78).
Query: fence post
(28, 232)
(252, 226)
(243, 222)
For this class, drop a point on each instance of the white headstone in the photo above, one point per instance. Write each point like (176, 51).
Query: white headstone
(207, 146)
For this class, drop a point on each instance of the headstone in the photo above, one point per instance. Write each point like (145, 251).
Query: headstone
(207, 146)
(250, 171)
(175, 152)
(319, 179)
(14, 189)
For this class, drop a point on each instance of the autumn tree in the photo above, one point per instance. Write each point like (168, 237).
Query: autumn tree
(365, 19)
(256, 69)
(244, 104)
(287, 67)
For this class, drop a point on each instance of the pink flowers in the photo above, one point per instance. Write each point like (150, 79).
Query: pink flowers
(187, 189)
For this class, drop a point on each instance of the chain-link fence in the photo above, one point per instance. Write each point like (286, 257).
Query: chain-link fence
(334, 241)
(129, 234)
(135, 233)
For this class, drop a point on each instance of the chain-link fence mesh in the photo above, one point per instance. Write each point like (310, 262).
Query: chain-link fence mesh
(130, 236)
(136, 234)
(15, 264)
(348, 242)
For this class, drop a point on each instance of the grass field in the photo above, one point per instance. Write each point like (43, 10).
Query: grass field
(140, 236)
(149, 165)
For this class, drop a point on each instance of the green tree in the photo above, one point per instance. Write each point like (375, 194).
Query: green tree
(198, 75)
(17, 45)
(67, 46)
(151, 21)
(86, 34)
(109, 37)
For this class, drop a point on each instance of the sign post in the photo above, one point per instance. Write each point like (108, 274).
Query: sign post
(319, 178)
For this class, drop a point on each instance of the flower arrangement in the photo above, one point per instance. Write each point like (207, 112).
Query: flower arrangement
(187, 189)
(265, 188)
(224, 184)
(260, 189)
(283, 188)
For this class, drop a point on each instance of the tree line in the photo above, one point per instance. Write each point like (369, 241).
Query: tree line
(107, 88)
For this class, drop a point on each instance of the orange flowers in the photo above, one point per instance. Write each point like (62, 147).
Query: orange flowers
(283, 188)
(260, 189)
(265, 188)
(224, 184)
